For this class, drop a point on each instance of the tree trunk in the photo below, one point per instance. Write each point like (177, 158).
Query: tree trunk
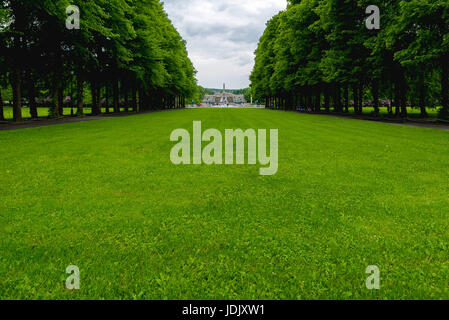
(115, 95)
(56, 100)
(397, 99)
(332, 97)
(95, 99)
(93, 92)
(31, 97)
(141, 103)
(134, 99)
(390, 103)
(422, 95)
(445, 85)
(2, 116)
(375, 92)
(61, 100)
(106, 92)
(80, 95)
(346, 98)
(360, 109)
(326, 98)
(125, 96)
(318, 99)
(17, 93)
(403, 95)
(18, 11)
(355, 91)
(309, 102)
(338, 97)
(57, 84)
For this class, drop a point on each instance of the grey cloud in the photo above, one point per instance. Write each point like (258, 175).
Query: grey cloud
(222, 35)
(244, 60)
(247, 34)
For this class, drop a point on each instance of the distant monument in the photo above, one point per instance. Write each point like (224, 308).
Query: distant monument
(224, 98)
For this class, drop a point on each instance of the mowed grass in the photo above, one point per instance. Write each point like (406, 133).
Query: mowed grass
(103, 195)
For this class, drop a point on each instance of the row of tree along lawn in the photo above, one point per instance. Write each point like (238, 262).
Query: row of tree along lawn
(320, 54)
(125, 53)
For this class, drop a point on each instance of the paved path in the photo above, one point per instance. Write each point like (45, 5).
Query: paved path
(41, 122)
(424, 125)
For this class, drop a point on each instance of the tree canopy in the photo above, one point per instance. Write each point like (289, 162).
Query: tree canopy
(320, 51)
(127, 52)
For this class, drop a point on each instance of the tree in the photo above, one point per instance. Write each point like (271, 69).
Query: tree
(124, 49)
(317, 48)
(423, 28)
(264, 63)
(3, 66)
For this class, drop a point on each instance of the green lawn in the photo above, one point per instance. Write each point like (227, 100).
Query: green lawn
(103, 195)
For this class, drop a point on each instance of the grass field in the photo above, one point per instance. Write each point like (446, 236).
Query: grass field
(103, 195)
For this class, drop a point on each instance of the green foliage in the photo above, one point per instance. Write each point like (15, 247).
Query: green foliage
(323, 48)
(264, 61)
(6, 94)
(123, 47)
(201, 92)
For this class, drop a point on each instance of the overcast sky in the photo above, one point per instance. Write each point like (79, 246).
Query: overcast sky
(222, 36)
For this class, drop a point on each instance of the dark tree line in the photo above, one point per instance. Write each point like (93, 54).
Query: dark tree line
(319, 54)
(126, 54)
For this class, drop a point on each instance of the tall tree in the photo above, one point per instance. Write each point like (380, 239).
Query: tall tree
(422, 26)
(128, 48)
